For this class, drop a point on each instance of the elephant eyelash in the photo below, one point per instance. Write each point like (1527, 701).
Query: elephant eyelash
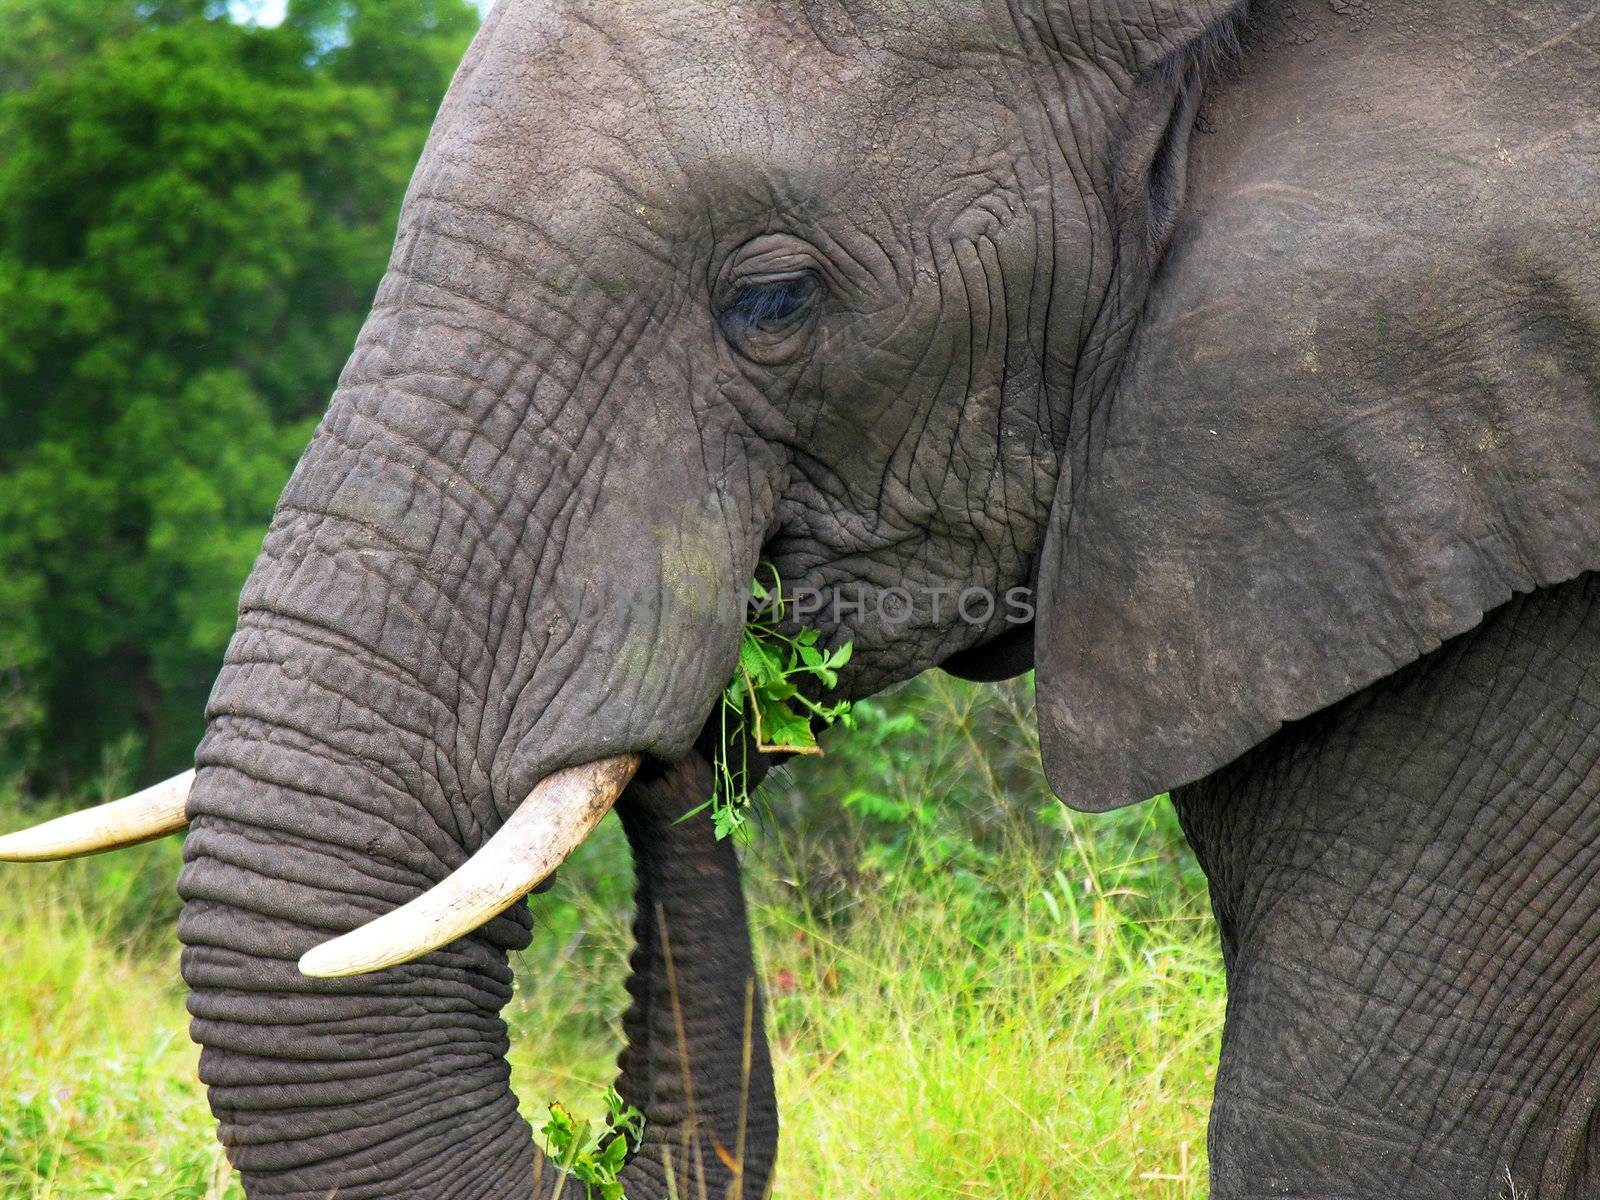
(771, 302)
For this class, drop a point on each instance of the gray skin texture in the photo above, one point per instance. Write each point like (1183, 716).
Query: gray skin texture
(1408, 887)
(1267, 398)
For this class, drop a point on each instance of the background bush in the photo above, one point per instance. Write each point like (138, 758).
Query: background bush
(194, 215)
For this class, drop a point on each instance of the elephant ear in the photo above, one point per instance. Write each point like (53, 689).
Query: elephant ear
(1361, 407)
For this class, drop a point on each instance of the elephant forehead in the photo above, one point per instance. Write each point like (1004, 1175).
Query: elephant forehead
(566, 108)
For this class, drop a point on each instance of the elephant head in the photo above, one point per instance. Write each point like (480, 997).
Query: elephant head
(911, 301)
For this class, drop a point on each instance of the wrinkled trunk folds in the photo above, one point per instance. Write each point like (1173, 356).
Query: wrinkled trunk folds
(395, 1085)
(321, 801)
(382, 1087)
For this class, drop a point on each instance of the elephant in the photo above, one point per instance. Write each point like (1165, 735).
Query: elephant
(1260, 346)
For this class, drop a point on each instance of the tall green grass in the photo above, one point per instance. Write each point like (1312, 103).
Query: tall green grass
(929, 1048)
(972, 992)
(98, 1096)
(992, 996)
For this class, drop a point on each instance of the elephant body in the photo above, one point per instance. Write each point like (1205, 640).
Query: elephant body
(1408, 889)
(1259, 348)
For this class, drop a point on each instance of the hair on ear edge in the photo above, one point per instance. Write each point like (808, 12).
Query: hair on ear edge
(1153, 183)
(1213, 51)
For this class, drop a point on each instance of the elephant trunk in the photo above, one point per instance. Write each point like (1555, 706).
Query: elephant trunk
(473, 583)
(322, 800)
(386, 1086)
(395, 1085)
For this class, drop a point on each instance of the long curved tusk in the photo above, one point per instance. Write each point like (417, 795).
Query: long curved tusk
(152, 813)
(557, 815)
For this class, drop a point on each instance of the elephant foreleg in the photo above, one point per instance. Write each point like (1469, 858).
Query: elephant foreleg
(1408, 887)
(696, 1063)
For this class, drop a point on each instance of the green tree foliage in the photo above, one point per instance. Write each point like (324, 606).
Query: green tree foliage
(193, 217)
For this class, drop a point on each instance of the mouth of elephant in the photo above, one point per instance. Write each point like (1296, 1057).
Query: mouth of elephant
(525, 854)
(1004, 656)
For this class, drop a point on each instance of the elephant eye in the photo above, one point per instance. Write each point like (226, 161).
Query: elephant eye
(768, 299)
(770, 304)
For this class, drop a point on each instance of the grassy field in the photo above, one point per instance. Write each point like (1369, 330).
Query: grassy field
(972, 992)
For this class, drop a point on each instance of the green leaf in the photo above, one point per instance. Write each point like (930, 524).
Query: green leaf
(765, 690)
(775, 693)
(784, 729)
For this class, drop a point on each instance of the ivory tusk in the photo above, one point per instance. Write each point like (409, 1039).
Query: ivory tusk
(152, 813)
(557, 815)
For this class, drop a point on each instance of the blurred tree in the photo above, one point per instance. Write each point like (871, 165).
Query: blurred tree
(193, 217)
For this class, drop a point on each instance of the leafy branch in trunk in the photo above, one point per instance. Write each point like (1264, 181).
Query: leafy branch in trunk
(764, 695)
(593, 1159)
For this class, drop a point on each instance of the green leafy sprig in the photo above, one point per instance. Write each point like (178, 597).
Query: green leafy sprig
(594, 1159)
(764, 696)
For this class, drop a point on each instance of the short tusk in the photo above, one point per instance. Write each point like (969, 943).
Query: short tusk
(557, 815)
(152, 813)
